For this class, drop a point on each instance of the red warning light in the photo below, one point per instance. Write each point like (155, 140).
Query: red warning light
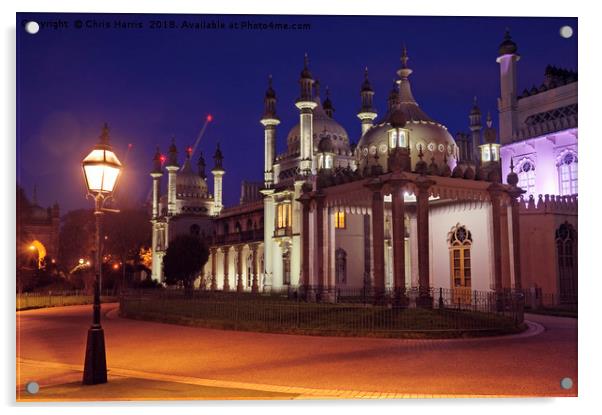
(162, 158)
(209, 117)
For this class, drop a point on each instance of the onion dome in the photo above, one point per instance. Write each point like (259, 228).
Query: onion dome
(507, 47)
(305, 73)
(422, 131)
(269, 102)
(457, 173)
(512, 178)
(366, 87)
(172, 160)
(321, 122)
(327, 105)
(190, 185)
(469, 173)
(218, 158)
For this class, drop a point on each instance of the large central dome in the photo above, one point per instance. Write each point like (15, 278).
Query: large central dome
(423, 132)
(322, 125)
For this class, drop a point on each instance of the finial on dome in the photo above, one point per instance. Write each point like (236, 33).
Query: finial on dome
(404, 57)
(328, 107)
(489, 120)
(508, 46)
(512, 177)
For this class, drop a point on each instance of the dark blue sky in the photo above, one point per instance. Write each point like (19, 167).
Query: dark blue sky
(151, 84)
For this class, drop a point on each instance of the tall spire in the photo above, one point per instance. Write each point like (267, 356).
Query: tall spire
(393, 99)
(173, 154)
(201, 166)
(367, 94)
(269, 102)
(306, 82)
(218, 158)
(328, 107)
(405, 91)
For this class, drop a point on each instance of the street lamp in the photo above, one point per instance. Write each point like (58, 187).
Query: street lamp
(101, 171)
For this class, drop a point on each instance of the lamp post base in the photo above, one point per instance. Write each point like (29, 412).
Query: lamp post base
(95, 366)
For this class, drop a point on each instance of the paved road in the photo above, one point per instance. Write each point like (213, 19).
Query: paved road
(517, 365)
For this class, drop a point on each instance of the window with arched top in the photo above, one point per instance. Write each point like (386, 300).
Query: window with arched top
(566, 251)
(460, 244)
(566, 164)
(341, 266)
(526, 176)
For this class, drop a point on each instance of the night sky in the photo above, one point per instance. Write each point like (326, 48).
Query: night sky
(151, 84)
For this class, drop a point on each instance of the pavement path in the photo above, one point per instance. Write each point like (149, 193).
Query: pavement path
(51, 346)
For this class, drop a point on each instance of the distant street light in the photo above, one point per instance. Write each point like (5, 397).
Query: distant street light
(101, 171)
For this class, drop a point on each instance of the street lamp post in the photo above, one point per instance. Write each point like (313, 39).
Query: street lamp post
(101, 171)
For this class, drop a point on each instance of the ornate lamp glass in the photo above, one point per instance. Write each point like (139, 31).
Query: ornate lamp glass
(101, 168)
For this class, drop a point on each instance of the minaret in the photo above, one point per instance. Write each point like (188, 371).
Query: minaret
(327, 104)
(507, 102)
(218, 174)
(490, 152)
(156, 174)
(269, 122)
(393, 99)
(367, 112)
(306, 104)
(172, 167)
(475, 130)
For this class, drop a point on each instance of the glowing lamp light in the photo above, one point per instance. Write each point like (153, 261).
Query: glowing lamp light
(81, 261)
(101, 166)
(209, 117)
(115, 266)
(32, 248)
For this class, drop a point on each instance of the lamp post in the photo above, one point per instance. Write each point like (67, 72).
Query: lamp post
(101, 170)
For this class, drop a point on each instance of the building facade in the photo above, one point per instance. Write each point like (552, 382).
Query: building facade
(407, 206)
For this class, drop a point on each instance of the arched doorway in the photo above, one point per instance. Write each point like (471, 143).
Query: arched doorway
(38, 251)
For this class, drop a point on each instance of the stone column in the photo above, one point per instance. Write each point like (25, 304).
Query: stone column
(254, 284)
(399, 262)
(496, 232)
(378, 240)
(425, 298)
(239, 284)
(214, 269)
(305, 200)
(226, 282)
(320, 244)
(514, 195)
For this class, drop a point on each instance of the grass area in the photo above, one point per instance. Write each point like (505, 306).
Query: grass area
(125, 389)
(29, 302)
(314, 318)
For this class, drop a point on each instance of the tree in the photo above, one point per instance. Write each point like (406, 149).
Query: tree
(184, 260)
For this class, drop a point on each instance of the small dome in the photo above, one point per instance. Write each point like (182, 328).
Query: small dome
(507, 47)
(190, 185)
(322, 125)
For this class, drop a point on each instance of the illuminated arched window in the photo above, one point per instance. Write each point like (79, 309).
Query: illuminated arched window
(526, 176)
(340, 220)
(284, 215)
(567, 173)
(460, 243)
